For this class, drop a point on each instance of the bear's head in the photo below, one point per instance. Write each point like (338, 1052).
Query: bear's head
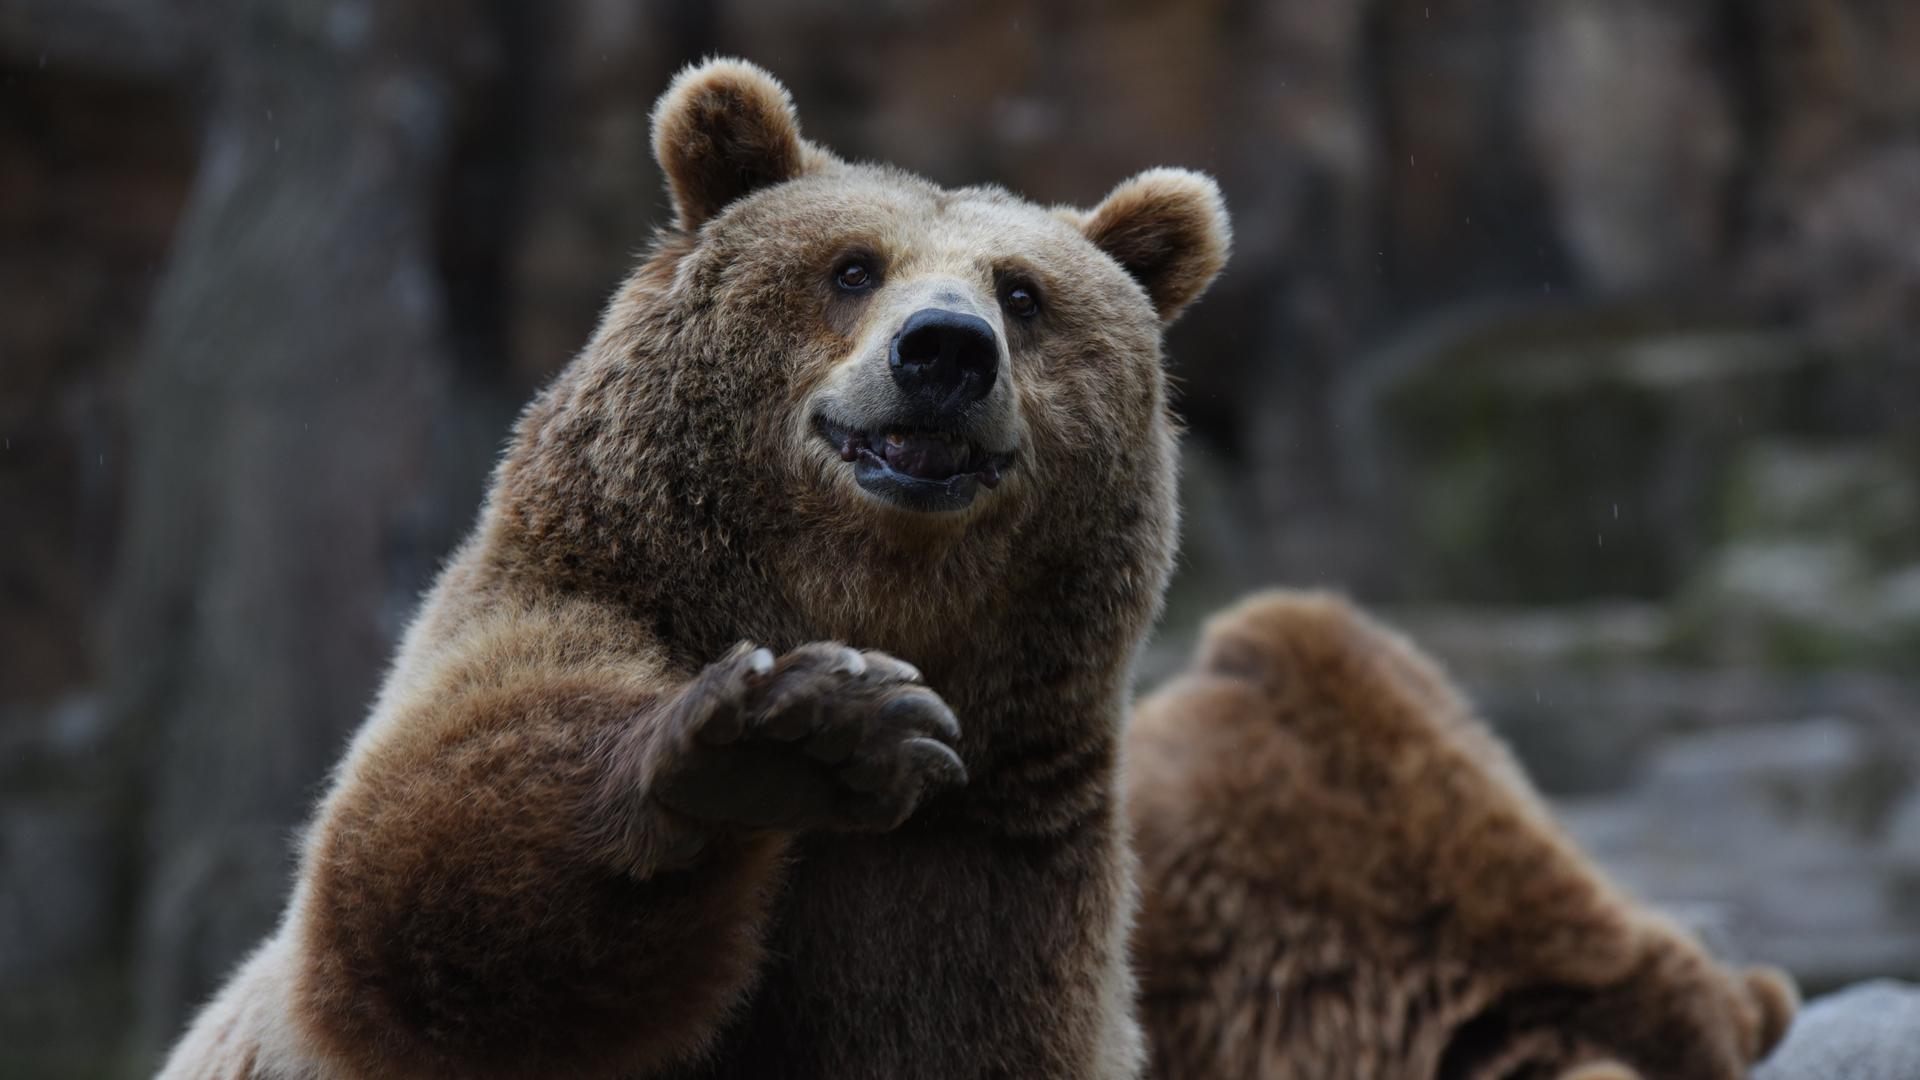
(839, 400)
(1675, 1013)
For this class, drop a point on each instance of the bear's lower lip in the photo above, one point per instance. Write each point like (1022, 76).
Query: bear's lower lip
(916, 468)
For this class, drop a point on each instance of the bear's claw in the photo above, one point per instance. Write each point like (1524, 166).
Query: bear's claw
(822, 737)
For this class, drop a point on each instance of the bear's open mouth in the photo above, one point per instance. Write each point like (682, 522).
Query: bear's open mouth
(920, 468)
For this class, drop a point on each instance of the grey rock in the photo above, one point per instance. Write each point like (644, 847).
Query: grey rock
(1778, 831)
(1903, 831)
(1865, 1032)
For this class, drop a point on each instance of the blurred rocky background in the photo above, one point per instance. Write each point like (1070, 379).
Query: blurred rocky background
(1578, 338)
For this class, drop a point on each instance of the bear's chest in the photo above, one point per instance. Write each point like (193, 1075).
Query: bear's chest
(933, 953)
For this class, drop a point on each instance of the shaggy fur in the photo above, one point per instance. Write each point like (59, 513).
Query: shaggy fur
(587, 832)
(1344, 874)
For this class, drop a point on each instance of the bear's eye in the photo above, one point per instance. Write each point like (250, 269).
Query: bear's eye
(853, 276)
(1021, 300)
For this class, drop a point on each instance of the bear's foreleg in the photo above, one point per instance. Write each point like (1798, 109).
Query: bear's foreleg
(569, 874)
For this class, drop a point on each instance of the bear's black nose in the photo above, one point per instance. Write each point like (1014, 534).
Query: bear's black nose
(946, 360)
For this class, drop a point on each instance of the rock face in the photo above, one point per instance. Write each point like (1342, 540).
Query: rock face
(1579, 337)
(1635, 137)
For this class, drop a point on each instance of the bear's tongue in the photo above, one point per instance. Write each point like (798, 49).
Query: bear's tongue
(927, 457)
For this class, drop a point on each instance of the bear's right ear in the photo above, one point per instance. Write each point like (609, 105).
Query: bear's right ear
(724, 129)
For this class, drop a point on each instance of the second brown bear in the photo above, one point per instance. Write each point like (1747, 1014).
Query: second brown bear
(1344, 874)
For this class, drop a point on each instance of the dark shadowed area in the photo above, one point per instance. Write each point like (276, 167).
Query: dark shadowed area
(1577, 338)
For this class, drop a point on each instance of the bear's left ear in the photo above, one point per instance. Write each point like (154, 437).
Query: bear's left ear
(724, 129)
(1168, 228)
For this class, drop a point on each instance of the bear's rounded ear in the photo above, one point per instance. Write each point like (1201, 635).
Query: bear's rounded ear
(1775, 1001)
(1168, 228)
(723, 129)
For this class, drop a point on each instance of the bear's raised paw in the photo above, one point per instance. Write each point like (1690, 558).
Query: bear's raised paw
(822, 737)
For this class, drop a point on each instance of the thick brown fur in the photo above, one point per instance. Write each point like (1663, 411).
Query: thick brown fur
(586, 832)
(1344, 874)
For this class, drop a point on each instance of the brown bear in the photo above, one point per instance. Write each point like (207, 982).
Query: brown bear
(1344, 874)
(767, 724)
